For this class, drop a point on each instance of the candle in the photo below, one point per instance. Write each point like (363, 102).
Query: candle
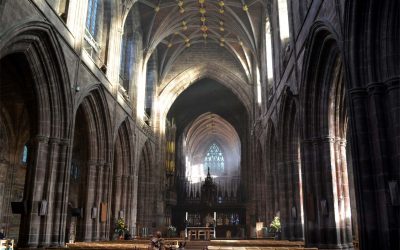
(186, 215)
(215, 216)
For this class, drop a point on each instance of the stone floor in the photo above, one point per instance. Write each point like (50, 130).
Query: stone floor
(213, 244)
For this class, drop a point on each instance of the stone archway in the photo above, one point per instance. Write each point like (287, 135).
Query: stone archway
(290, 172)
(123, 178)
(94, 166)
(272, 173)
(146, 209)
(36, 46)
(323, 151)
(260, 186)
(17, 122)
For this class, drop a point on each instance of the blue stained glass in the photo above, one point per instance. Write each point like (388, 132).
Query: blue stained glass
(129, 61)
(94, 17)
(214, 160)
(25, 155)
(91, 16)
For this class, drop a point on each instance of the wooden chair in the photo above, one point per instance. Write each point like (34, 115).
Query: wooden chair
(192, 233)
(202, 234)
(211, 233)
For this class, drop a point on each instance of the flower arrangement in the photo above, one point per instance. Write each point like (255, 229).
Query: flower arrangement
(120, 227)
(276, 224)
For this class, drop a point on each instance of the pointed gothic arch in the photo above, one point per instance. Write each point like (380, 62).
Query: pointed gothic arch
(271, 173)
(92, 113)
(290, 172)
(36, 43)
(324, 113)
(146, 191)
(123, 177)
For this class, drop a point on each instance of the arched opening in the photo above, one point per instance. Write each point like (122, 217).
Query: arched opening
(260, 188)
(122, 179)
(91, 161)
(211, 151)
(273, 185)
(211, 145)
(151, 84)
(284, 32)
(328, 219)
(130, 47)
(78, 178)
(146, 193)
(290, 171)
(39, 85)
(269, 58)
(17, 126)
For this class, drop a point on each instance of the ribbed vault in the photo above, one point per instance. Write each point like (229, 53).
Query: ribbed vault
(211, 128)
(171, 26)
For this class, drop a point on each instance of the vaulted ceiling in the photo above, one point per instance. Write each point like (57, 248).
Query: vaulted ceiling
(205, 96)
(173, 26)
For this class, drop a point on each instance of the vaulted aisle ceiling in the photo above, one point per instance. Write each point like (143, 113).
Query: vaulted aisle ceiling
(171, 26)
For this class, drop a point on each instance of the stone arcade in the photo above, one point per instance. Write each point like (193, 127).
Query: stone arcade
(120, 109)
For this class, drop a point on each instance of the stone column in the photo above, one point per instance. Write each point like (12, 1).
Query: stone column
(374, 152)
(326, 226)
(116, 196)
(90, 200)
(296, 208)
(52, 232)
(283, 193)
(393, 100)
(35, 184)
(107, 193)
(290, 201)
(135, 202)
(98, 198)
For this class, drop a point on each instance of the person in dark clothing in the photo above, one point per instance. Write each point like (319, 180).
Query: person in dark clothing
(157, 242)
(2, 234)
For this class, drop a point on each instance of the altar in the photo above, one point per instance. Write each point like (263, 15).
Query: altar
(210, 213)
(200, 233)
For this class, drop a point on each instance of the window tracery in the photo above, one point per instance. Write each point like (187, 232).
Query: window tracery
(214, 160)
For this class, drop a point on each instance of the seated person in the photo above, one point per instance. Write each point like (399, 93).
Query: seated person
(157, 242)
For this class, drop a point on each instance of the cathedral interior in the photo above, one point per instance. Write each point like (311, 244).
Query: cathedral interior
(200, 118)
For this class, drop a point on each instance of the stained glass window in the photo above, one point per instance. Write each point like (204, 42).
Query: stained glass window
(214, 160)
(25, 155)
(91, 17)
(127, 57)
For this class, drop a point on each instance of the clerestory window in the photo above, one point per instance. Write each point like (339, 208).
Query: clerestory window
(91, 17)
